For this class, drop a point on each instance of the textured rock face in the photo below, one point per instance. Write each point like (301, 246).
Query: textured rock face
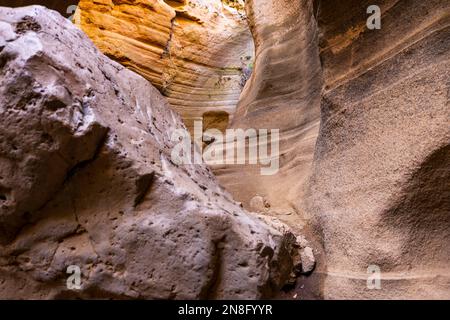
(195, 52)
(86, 179)
(379, 188)
(376, 192)
(283, 93)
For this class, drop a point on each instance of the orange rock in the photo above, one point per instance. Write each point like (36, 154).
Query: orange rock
(193, 51)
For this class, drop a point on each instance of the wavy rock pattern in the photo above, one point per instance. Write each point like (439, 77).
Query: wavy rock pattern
(364, 143)
(376, 192)
(86, 179)
(283, 93)
(194, 51)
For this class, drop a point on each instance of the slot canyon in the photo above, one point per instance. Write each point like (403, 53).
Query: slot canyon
(91, 93)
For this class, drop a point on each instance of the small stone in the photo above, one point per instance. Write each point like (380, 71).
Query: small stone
(308, 260)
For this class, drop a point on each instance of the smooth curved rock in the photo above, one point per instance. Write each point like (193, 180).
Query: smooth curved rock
(86, 179)
(283, 93)
(194, 51)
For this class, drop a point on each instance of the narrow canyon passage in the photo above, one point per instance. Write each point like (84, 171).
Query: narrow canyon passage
(362, 138)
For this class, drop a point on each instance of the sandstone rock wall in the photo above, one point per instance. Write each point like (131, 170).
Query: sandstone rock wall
(195, 52)
(364, 150)
(377, 192)
(379, 189)
(86, 179)
(283, 93)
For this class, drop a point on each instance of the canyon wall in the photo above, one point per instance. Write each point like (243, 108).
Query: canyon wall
(88, 181)
(379, 190)
(283, 93)
(197, 53)
(364, 149)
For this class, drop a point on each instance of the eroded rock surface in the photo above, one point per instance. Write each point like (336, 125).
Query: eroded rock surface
(378, 193)
(283, 93)
(86, 179)
(195, 52)
(379, 189)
